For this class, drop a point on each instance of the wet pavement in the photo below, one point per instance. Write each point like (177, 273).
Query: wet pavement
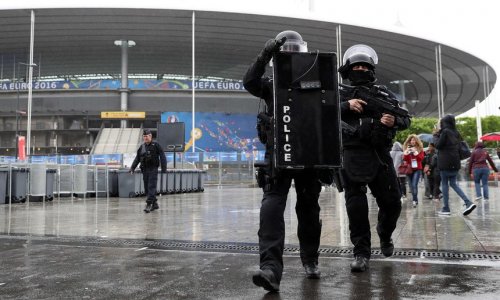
(203, 246)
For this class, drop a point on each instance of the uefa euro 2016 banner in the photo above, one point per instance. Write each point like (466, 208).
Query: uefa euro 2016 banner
(134, 84)
(218, 132)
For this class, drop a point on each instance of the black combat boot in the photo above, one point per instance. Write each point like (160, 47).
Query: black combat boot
(265, 278)
(360, 264)
(155, 206)
(312, 270)
(148, 208)
(387, 247)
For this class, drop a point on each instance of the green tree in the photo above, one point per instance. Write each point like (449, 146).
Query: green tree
(468, 129)
(418, 126)
(466, 126)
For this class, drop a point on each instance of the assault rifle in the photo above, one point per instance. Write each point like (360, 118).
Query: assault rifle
(378, 101)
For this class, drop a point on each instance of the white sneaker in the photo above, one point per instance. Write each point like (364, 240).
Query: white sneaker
(444, 213)
(478, 198)
(469, 209)
(415, 203)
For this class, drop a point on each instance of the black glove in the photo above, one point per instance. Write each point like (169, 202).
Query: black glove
(272, 46)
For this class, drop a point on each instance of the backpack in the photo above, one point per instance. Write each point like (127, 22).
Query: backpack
(463, 150)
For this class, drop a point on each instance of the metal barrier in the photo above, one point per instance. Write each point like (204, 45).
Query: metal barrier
(42, 182)
(222, 168)
(28, 182)
(38, 180)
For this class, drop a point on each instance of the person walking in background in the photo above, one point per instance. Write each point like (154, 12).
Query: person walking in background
(397, 159)
(478, 167)
(150, 155)
(414, 155)
(427, 172)
(447, 141)
(435, 177)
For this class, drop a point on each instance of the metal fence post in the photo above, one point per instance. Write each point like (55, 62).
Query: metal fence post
(72, 181)
(96, 182)
(10, 185)
(107, 180)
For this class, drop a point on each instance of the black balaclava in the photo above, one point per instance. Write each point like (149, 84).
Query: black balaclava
(361, 77)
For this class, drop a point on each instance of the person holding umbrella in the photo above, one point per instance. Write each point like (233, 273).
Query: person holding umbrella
(426, 138)
(494, 136)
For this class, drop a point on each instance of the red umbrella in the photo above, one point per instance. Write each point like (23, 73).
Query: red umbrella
(494, 136)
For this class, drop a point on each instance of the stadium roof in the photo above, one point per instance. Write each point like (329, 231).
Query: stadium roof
(81, 41)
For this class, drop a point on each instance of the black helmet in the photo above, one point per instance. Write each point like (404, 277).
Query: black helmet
(358, 55)
(293, 42)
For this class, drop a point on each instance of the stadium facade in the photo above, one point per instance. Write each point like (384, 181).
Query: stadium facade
(77, 69)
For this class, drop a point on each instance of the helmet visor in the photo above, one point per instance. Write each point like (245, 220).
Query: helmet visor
(294, 46)
(361, 49)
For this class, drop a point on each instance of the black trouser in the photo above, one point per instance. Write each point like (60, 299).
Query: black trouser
(272, 224)
(150, 177)
(427, 184)
(436, 178)
(402, 185)
(430, 180)
(385, 188)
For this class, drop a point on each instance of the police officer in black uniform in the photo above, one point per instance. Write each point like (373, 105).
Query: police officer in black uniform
(150, 155)
(276, 183)
(367, 161)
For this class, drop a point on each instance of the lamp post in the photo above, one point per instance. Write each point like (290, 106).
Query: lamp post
(30, 83)
(18, 111)
(124, 90)
(402, 92)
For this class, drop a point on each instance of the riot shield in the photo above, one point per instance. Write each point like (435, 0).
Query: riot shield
(306, 126)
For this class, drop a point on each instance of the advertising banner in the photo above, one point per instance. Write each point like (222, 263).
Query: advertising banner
(133, 84)
(106, 159)
(217, 132)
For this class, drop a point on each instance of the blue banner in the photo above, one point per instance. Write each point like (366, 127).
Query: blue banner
(109, 159)
(133, 84)
(248, 156)
(49, 159)
(7, 159)
(210, 156)
(192, 156)
(218, 132)
(73, 159)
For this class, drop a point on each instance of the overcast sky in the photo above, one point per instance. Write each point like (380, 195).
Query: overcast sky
(471, 26)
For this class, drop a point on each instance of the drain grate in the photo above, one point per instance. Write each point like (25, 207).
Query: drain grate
(237, 247)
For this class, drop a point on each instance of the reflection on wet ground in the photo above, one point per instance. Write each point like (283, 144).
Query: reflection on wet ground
(36, 263)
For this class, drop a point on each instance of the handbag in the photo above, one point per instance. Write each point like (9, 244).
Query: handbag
(463, 150)
(405, 168)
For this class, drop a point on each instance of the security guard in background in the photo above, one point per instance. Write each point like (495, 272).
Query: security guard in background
(276, 186)
(367, 160)
(150, 155)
